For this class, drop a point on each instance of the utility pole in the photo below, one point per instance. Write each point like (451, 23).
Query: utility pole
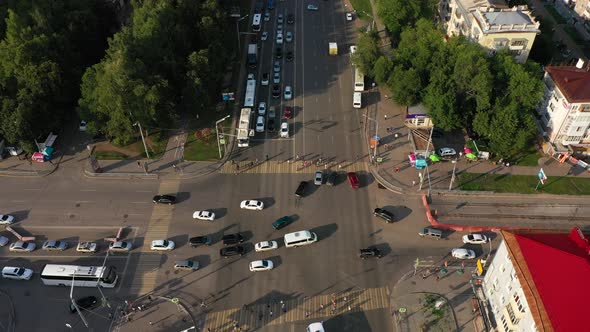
(238, 30)
(137, 124)
(217, 133)
(453, 176)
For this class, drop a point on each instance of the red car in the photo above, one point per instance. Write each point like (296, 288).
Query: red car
(288, 113)
(353, 180)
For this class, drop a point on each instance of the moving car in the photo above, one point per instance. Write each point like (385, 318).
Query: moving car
(120, 246)
(462, 253)
(232, 251)
(261, 265)
(369, 253)
(315, 327)
(288, 112)
(279, 38)
(55, 245)
(264, 36)
(3, 241)
(312, 7)
(200, 240)
(446, 152)
(261, 108)
(22, 246)
(6, 219)
(251, 204)
(232, 239)
(279, 52)
(318, 178)
(276, 79)
(280, 19)
(204, 215)
(384, 214)
(353, 180)
(289, 56)
(186, 265)
(162, 245)
(332, 178)
(266, 16)
(475, 238)
(266, 246)
(284, 129)
(84, 303)
(16, 273)
(271, 125)
(289, 36)
(271, 112)
(277, 67)
(431, 232)
(265, 79)
(301, 189)
(349, 16)
(164, 199)
(87, 247)
(288, 93)
(276, 91)
(290, 19)
(260, 124)
(281, 222)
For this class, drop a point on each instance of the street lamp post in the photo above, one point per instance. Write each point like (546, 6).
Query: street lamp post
(238, 31)
(453, 176)
(371, 16)
(137, 124)
(217, 133)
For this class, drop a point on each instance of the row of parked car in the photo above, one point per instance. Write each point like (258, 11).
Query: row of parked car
(459, 253)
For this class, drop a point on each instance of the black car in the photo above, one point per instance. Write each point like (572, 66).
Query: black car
(289, 56)
(271, 125)
(232, 251)
(232, 239)
(383, 214)
(301, 189)
(200, 240)
(290, 19)
(164, 199)
(370, 252)
(279, 52)
(282, 222)
(84, 303)
(276, 91)
(332, 179)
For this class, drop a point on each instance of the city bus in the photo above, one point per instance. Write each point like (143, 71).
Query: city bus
(359, 80)
(256, 22)
(81, 276)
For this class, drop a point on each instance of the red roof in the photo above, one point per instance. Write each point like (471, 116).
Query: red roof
(560, 270)
(573, 82)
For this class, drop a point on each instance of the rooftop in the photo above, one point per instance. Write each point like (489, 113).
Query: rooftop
(516, 19)
(573, 82)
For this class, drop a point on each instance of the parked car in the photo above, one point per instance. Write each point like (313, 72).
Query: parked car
(164, 199)
(288, 112)
(447, 152)
(282, 222)
(120, 246)
(251, 204)
(261, 265)
(265, 79)
(475, 238)
(84, 303)
(288, 93)
(16, 273)
(230, 239)
(353, 180)
(232, 251)
(301, 189)
(315, 327)
(349, 16)
(6, 219)
(384, 214)
(162, 245)
(87, 247)
(22, 246)
(431, 232)
(318, 178)
(186, 265)
(369, 253)
(204, 215)
(200, 240)
(55, 245)
(462, 253)
(3, 241)
(266, 246)
(332, 178)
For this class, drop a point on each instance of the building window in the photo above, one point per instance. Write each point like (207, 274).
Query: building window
(515, 52)
(503, 268)
(505, 324)
(518, 42)
(551, 107)
(518, 302)
(513, 319)
(585, 108)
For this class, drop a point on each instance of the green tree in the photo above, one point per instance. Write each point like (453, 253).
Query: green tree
(405, 85)
(382, 69)
(367, 52)
(399, 14)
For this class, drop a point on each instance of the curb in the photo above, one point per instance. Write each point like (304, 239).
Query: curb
(119, 175)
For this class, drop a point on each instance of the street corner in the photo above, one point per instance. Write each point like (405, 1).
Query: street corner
(153, 313)
(22, 166)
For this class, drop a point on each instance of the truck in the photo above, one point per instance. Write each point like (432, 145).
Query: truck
(333, 48)
(244, 128)
(252, 55)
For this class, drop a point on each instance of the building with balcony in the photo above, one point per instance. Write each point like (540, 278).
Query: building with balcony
(565, 109)
(538, 281)
(494, 26)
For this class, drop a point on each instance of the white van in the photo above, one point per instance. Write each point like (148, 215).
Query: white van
(300, 238)
(357, 100)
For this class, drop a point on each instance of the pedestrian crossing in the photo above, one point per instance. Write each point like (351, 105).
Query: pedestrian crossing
(286, 167)
(157, 229)
(319, 307)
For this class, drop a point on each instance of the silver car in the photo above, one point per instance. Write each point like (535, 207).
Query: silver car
(120, 246)
(318, 178)
(277, 67)
(186, 265)
(22, 246)
(55, 245)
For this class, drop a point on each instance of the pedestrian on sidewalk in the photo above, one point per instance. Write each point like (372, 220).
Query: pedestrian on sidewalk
(397, 169)
(138, 164)
(413, 183)
(270, 313)
(385, 116)
(266, 157)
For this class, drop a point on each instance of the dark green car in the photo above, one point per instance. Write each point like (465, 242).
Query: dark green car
(281, 222)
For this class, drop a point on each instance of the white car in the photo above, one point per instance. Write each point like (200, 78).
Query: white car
(462, 253)
(261, 108)
(266, 245)
(87, 247)
(288, 93)
(204, 215)
(312, 7)
(315, 327)
(276, 79)
(17, 273)
(3, 241)
(349, 16)
(120, 246)
(280, 19)
(251, 204)
(277, 66)
(289, 37)
(285, 129)
(21, 246)
(446, 152)
(279, 38)
(261, 265)
(162, 245)
(260, 124)
(265, 79)
(475, 239)
(186, 265)
(6, 219)
(264, 36)
(266, 16)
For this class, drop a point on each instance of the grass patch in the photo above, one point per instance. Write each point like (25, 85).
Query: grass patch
(524, 184)
(109, 155)
(530, 157)
(198, 150)
(361, 7)
(556, 15)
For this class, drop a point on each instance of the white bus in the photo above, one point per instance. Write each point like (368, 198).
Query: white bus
(357, 101)
(244, 128)
(81, 276)
(256, 22)
(359, 80)
(300, 238)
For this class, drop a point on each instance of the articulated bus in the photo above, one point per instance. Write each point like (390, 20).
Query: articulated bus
(256, 22)
(81, 276)
(359, 80)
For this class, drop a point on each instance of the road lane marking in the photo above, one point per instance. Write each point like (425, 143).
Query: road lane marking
(33, 189)
(143, 191)
(87, 189)
(142, 202)
(17, 201)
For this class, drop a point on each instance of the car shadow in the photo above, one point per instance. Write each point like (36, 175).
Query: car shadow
(219, 212)
(384, 248)
(400, 212)
(325, 231)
